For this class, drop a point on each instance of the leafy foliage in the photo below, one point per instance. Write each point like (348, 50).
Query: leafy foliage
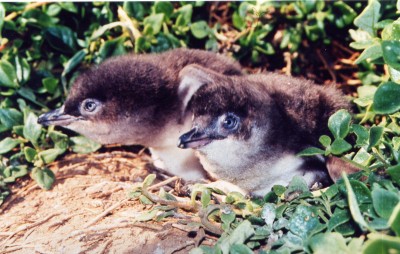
(44, 46)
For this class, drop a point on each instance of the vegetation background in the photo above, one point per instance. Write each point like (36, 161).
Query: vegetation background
(44, 47)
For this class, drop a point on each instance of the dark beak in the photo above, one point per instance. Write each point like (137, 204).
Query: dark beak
(56, 117)
(194, 139)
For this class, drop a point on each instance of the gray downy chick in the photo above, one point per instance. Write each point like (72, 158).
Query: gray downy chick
(247, 130)
(133, 99)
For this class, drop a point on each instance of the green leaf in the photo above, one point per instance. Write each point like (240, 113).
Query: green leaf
(11, 173)
(61, 38)
(81, 144)
(353, 205)
(340, 146)
(29, 153)
(384, 202)
(148, 181)
(50, 84)
(240, 249)
(50, 155)
(32, 129)
(8, 76)
(268, 214)
(146, 216)
(200, 29)
(238, 236)
(71, 64)
(23, 69)
(375, 135)
(361, 133)
(325, 140)
(369, 17)
(338, 218)
(10, 117)
(394, 172)
(379, 243)
(372, 52)
(2, 15)
(394, 220)
(164, 7)
(298, 185)
(386, 99)
(43, 177)
(227, 217)
(205, 197)
(303, 221)
(328, 243)
(155, 21)
(391, 53)
(339, 123)
(8, 144)
(135, 9)
(311, 151)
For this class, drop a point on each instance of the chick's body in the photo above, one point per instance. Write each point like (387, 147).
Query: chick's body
(133, 99)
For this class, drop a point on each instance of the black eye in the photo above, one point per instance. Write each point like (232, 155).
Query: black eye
(89, 105)
(230, 122)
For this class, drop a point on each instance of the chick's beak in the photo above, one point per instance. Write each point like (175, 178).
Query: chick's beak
(194, 139)
(56, 117)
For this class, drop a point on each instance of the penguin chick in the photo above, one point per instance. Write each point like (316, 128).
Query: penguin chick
(133, 99)
(247, 130)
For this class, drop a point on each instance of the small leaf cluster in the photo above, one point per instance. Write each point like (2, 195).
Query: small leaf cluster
(273, 27)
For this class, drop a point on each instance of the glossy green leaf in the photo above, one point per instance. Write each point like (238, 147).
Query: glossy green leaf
(135, 9)
(148, 180)
(61, 38)
(8, 144)
(384, 202)
(155, 21)
(339, 123)
(394, 172)
(22, 69)
(379, 243)
(394, 220)
(43, 177)
(2, 15)
(303, 221)
(369, 17)
(361, 133)
(32, 129)
(50, 155)
(243, 232)
(386, 99)
(372, 52)
(340, 146)
(240, 249)
(164, 7)
(199, 29)
(375, 135)
(311, 151)
(325, 140)
(329, 243)
(11, 173)
(8, 76)
(10, 117)
(391, 53)
(205, 197)
(339, 217)
(50, 84)
(29, 153)
(353, 205)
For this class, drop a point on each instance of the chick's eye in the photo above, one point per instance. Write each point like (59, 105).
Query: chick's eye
(89, 106)
(230, 122)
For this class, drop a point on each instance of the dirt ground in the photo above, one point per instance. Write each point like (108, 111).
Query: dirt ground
(87, 211)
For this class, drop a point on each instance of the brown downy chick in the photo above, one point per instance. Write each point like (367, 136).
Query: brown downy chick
(247, 130)
(133, 99)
